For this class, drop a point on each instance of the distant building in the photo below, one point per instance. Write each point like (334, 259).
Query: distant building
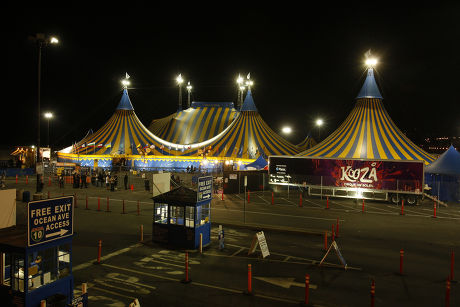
(440, 144)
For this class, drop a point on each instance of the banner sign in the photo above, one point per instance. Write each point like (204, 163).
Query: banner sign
(259, 240)
(351, 173)
(204, 188)
(49, 220)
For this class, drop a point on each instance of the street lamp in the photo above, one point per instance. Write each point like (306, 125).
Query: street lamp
(48, 116)
(319, 123)
(189, 90)
(42, 41)
(179, 81)
(286, 130)
(125, 82)
(239, 82)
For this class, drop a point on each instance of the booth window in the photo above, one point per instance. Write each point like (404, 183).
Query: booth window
(63, 260)
(177, 215)
(205, 213)
(18, 268)
(161, 213)
(189, 216)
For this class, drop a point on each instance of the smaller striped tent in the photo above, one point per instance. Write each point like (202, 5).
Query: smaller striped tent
(368, 132)
(307, 143)
(249, 136)
(200, 122)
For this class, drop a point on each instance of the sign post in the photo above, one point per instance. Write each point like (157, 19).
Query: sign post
(49, 220)
(204, 188)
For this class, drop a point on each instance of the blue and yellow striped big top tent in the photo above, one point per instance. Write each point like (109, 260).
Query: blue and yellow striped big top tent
(368, 132)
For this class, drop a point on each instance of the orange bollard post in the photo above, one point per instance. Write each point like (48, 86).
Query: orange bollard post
(107, 210)
(327, 202)
(132, 187)
(434, 210)
(222, 194)
(402, 208)
(138, 209)
(249, 279)
(98, 204)
(16, 178)
(86, 207)
(307, 288)
(187, 279)
(27, 179)
(373, 293)
(142, 232)
(99, 252)
(448, 293)
(300, 200)
(273, 199)
(401, 261)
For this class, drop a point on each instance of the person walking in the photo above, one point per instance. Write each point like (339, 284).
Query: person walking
(125, 181)
(107, 181)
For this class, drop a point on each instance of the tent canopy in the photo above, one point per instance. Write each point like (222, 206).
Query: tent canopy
(447, 164)
(260, 163)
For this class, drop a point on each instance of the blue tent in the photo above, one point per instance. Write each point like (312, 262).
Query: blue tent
(260, 163)
(443, 176)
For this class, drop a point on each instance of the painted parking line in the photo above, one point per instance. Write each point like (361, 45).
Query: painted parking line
(108, 256)
(199, 284)
(266, 201)
(277, 214)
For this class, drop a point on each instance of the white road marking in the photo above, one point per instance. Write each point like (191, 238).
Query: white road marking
(108, 256)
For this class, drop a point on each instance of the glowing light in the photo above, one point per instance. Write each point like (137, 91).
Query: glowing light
(54, 40)
(371, 62)
(239, 80)
(179, 79)
(125, 83)
(319, 122)
(286, 130)
(189, 86)
(48, 115)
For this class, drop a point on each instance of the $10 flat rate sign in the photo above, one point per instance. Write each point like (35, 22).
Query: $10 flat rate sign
(49, 220)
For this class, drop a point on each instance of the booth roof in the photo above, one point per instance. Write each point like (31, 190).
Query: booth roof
(177, 195)
(14, 236)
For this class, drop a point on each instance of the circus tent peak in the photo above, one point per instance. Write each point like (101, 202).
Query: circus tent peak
(370, 88)
(125, 102)
(248, 103)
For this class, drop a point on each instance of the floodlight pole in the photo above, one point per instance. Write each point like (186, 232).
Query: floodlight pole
(40, 45)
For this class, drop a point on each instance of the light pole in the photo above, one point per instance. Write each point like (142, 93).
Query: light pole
(179, 81)
(239, 82)
(189, 90)
(48, 116)
(319, 123)
(41, 41)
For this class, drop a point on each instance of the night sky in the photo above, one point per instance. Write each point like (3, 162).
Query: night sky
(306, 63)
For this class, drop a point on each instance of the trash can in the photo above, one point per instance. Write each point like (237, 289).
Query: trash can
(19, 194)
(26, 196)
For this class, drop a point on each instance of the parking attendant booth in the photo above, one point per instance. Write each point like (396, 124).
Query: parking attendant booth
(36, 259)
(180, 216)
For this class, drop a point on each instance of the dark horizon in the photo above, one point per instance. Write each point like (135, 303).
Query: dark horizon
(304, 66)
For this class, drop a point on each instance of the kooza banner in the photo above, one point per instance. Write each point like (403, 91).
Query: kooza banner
(366, 174)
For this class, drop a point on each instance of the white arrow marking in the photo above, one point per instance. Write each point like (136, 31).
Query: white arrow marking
(285, 282)
(59, 233)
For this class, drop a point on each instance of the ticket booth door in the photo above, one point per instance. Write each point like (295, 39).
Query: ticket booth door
(12, 278)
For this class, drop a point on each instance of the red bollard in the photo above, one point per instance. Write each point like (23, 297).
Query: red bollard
(373, 293)
(273, 199)
(434, 210)
(16, 178)
(186, 280)
(99, 252)
(402, 208)
(49, 181)
(123, 207)
(327, 202)
(132, 187)
(49, 194)
(363, 205)
(307, 288)
(86, 207)
(98, 204)
(447, 292)
(249, 279)
(107, 210)
(27, 179)
(325, 240)
(300, 200)
(452, 265)
(332, 233)
(337, 228)
(401, 260)
(138, 210)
